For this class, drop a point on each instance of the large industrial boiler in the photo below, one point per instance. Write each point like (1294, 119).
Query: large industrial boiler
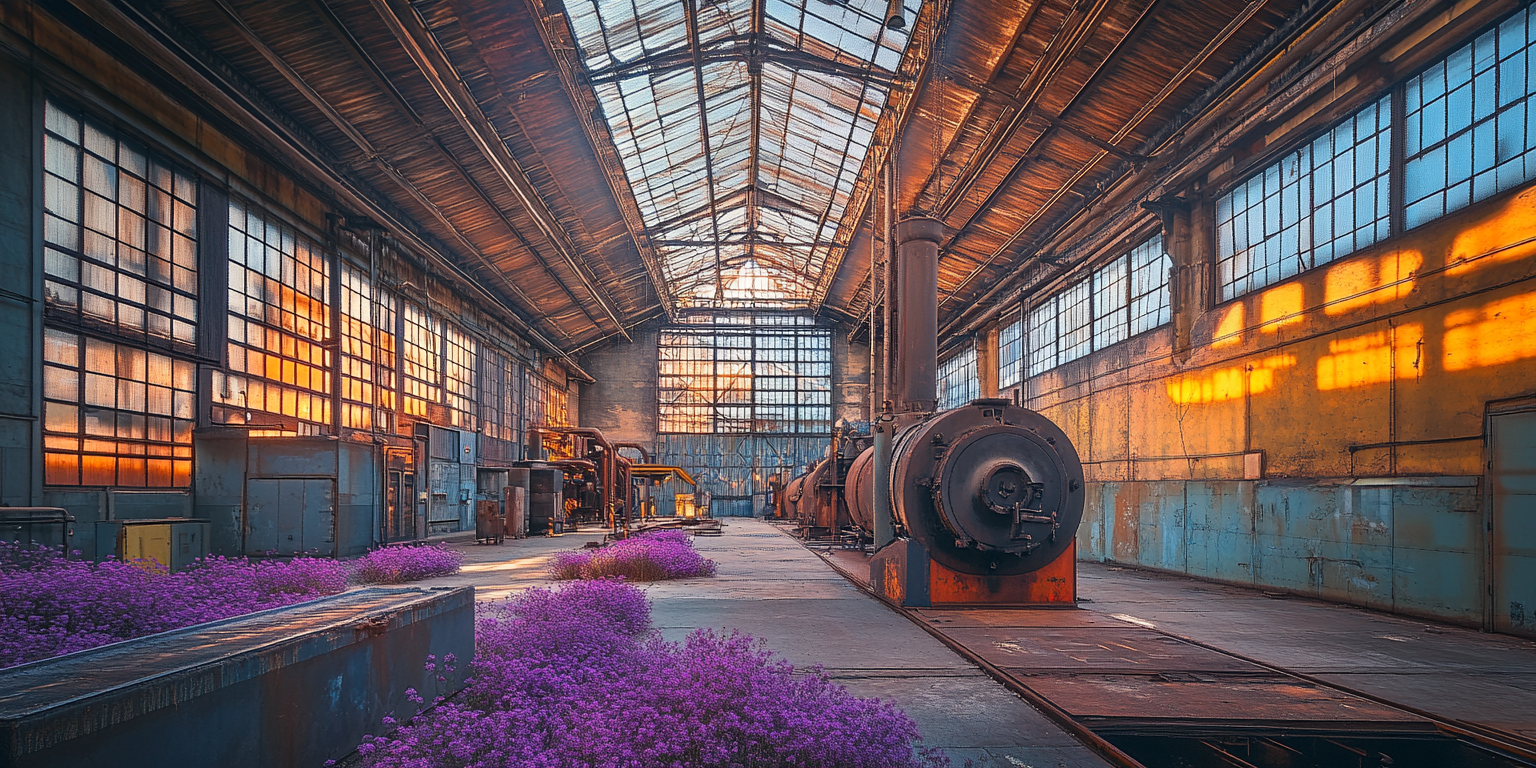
(986, 498)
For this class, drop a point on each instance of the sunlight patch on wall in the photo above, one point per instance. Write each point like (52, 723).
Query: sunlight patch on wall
(1363, 282)
(1489, 242)
(1228, 383)
(1230, 330)
(1499, 332)
(1372, 358)
(1279, 307)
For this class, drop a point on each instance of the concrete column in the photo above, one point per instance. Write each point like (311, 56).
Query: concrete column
(917, 360)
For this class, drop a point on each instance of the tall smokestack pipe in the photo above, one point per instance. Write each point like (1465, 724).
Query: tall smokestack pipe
(917, 343)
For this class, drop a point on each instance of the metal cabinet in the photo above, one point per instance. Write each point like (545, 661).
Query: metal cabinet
(1512, 522)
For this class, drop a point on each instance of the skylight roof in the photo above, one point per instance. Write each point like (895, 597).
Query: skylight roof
(787, 94)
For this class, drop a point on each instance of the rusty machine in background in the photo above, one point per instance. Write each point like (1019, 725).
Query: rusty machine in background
(600, 485)
(986, 497)
(814, 500)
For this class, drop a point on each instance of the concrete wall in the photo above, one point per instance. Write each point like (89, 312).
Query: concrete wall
(1286, 447)
(622, 402)
(850, 378)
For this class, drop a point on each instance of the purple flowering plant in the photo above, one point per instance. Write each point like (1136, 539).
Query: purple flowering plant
(576, 677)
(396, 565)
(655, 556)
(51, 605)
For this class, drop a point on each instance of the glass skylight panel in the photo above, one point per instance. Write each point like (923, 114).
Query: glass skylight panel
(813, 131)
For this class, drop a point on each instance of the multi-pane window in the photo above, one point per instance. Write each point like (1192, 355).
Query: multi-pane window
(1470, 123)
(459, 387)
(422, 347)
(367, 353)
(1010, 353)
(1112, 302)
(548, 402)
(119, 234)
(278, 321)
(1074, 321)
(764, 377)
(1150, 267)
(958, 381)
(501, 395)
(1042, 337)
(115, 415)
(1322, 202)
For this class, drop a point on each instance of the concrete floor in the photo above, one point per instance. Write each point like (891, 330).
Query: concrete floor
(770, 587)
(1451, 672)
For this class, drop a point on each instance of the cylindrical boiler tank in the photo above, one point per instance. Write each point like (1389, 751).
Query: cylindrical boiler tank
(987, 488)
(818, 509)
(792, 493)
(858, 489)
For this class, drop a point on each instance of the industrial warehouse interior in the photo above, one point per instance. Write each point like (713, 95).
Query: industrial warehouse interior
(760, 383)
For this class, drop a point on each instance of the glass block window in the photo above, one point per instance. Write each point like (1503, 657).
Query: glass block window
(1075, 322)
(422, 381)
(1150, 291)
(1470, 123)
(1112, 302)
(115, 415)
(119, 234)
(1043, 338)
(1322, 202)
(459, 385)
(1010, 353)
(278, 321)
(367, 353)
(501, 396)
(748, 378)
(958, 380)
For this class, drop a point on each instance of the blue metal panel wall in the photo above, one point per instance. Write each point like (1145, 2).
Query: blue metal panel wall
(1410, 546)
(20, 312)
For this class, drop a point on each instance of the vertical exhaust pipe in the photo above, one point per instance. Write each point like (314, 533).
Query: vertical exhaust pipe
(895, 15)
(917, 357)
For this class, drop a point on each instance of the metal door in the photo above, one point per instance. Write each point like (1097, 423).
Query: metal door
(261, 509)
(1512, 523)
(289, 516)
(318, 533)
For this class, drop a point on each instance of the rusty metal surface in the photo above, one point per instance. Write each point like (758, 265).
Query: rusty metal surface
(1046, 650)
(1266, 700)
(1015, 617)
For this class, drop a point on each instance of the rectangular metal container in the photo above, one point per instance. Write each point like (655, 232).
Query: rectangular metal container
(293, 686)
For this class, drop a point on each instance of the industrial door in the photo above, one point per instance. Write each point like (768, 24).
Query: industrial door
(290, 516)
(1512, 525)
(399, 507)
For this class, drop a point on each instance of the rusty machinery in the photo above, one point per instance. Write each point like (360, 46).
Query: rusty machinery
(986, 497)
(817, 504)
(597, 485)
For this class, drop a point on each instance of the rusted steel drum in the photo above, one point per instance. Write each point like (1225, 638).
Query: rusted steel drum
(792, 497)
(858, 490)
(988, 488)
(818, 508)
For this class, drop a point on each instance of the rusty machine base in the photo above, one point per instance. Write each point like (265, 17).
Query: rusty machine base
(904, 574)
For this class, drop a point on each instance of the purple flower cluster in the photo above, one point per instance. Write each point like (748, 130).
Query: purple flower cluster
(50, 605)
(575, 678)
(395, 565)
(656, 556)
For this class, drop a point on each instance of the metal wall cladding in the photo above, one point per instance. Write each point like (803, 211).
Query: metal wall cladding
(735, 467)
(1408, 548)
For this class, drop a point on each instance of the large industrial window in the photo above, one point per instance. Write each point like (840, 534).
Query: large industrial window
(1042, 337)
(278, 321)
(1150, 292)
(459, 377)
(958, 380)
(115, 415)
(119, 234)
(548, 404)
(422, 347)
(501, 396)
(746, 379)
(367, 353)
(1470, 123)
(1112, 302)
(1322, 202)
(1010, 353)
(1074, 320)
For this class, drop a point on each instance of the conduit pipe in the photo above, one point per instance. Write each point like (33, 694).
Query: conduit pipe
(917, 360)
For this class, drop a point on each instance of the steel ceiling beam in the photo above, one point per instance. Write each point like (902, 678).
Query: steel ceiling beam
(433, 62)
(691, 18)
(754, 49)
